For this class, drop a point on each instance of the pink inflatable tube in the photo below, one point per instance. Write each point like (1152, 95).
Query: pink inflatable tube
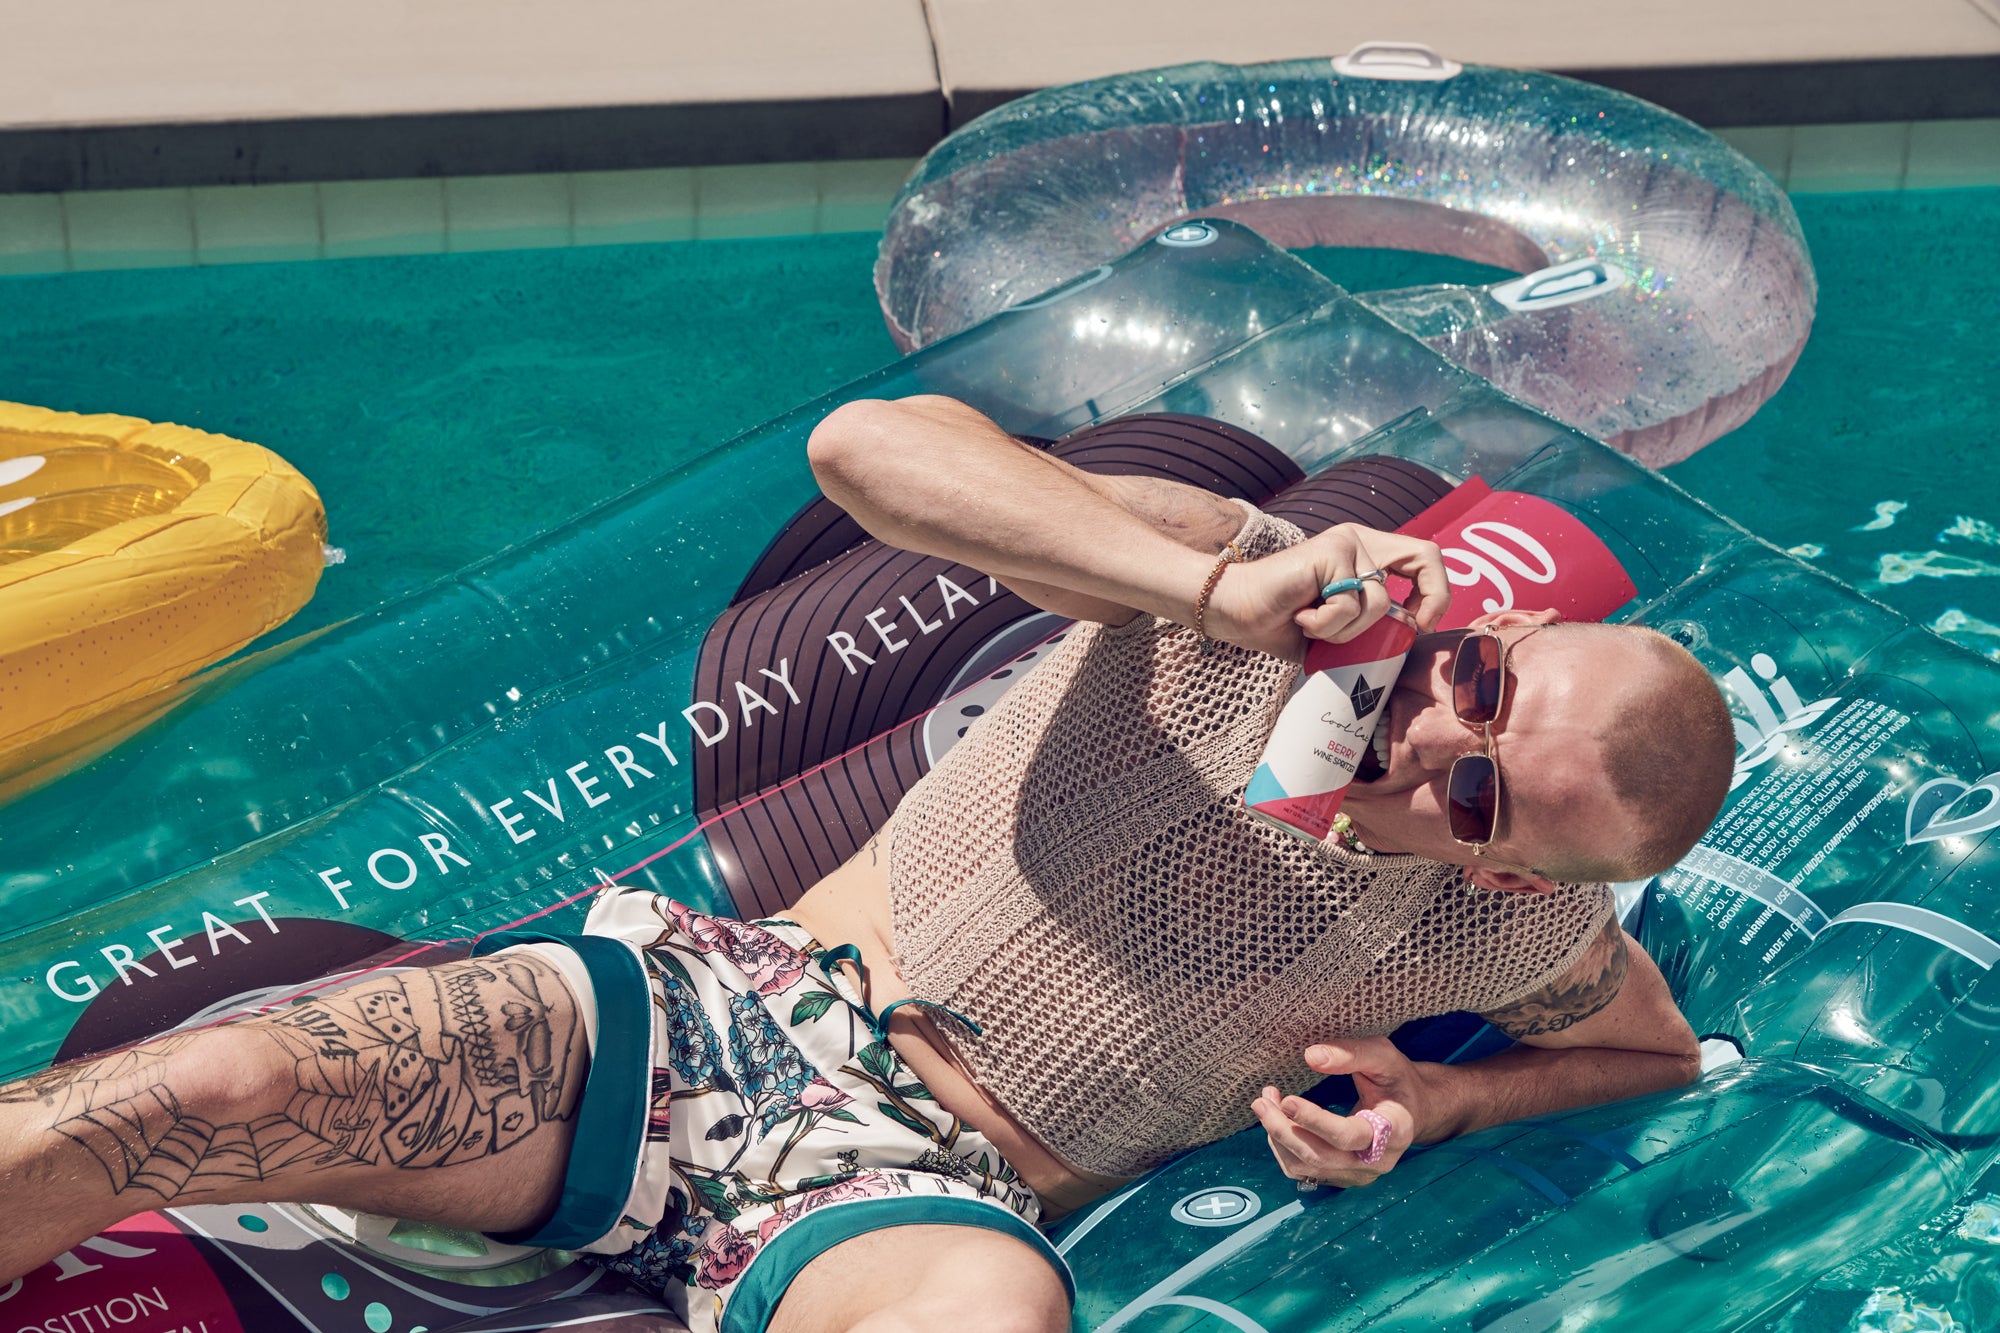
(1666, 290)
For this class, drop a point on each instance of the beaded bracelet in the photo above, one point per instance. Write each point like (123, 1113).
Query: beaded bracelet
(1229, 553)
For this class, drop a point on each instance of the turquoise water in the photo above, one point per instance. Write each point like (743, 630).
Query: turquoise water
(448, 406)
(1880, 458)
(451, 405)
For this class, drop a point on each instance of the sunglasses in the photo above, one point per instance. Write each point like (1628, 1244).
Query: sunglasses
(1473, 790)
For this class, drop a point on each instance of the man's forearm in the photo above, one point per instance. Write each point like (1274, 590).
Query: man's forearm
(932, 475)
(1528, 1081)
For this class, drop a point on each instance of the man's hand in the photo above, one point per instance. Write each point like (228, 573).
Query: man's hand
(1604, 1030)
(1274, 605)
(1315, 1144)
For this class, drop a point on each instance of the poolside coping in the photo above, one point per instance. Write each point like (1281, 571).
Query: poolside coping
(103, 95)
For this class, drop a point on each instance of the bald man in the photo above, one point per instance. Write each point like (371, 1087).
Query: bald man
(1070, 955)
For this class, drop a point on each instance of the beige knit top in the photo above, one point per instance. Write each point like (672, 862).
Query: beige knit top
(1079, 877)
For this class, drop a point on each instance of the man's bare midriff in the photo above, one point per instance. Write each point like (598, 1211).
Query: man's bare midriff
(851, 906)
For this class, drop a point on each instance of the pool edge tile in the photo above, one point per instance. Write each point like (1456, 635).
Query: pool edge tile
(108, 229)
(521, 212)
(1954, 154)
(856, 195)
(634, 207)
(1868, 155)
(761, 199)
(31, 234)
(392, 217)
(241, 224)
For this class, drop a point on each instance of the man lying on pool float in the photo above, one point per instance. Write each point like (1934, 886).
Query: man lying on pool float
(1070, 956)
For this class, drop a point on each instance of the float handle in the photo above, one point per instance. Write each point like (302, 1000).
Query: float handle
(1395, 60)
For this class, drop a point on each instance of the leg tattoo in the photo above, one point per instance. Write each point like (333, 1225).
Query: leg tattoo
(418, 1069)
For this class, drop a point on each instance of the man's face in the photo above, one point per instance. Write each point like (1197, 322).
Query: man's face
(1563, 693)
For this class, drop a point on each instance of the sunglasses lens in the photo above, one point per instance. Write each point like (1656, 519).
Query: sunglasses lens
(1476, 679)
(1472, 798)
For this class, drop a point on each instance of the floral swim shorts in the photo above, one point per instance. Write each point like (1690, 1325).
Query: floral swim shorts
(742, 1114)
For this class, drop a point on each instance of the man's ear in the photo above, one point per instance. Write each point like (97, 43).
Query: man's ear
(1516, 616)
(1508, 881)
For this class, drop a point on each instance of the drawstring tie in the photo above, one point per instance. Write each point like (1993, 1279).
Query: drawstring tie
(829, 959)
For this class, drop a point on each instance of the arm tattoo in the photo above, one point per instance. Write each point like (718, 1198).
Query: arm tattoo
(417, 1069)
(1572, 997)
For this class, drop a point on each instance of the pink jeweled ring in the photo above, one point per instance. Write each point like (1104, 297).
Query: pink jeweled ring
(1378, 1147)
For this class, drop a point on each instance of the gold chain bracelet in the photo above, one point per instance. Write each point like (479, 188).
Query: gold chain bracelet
(1229, 554)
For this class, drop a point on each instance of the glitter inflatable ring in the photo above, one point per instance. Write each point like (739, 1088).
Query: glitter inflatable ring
(1666, 288)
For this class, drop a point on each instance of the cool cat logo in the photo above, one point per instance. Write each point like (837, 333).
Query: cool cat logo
(546, 802)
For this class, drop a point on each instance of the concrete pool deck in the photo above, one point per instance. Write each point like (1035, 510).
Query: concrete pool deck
(105, 95)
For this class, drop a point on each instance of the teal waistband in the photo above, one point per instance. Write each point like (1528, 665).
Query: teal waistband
(611, 1114)
(757, 1293)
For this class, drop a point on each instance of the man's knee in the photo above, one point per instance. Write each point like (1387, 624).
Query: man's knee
(223, 1075)
(437, 1066)
(403, 1070)
(990, 1320)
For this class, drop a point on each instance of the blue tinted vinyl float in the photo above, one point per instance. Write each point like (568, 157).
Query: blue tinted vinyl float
(716, 687)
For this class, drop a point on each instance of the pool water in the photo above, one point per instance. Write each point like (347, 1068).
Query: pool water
(1880, 458)
(448, 406)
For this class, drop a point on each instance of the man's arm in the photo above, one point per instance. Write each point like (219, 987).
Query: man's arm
(1605, 1030)
(930, 474)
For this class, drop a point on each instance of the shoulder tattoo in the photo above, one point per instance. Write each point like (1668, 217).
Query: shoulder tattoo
(1575, 995)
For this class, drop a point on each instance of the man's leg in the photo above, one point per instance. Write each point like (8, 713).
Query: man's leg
(390, 1096)
(918, 1279)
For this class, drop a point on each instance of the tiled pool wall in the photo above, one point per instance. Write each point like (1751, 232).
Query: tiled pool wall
(1880, 155)
(233, 224)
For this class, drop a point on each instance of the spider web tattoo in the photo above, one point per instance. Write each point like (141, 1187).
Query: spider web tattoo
(419, 1069)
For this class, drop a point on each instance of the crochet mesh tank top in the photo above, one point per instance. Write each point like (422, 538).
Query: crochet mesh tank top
(1078, 875)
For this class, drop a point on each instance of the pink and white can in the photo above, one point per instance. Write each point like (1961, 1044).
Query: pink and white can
(1325, 727)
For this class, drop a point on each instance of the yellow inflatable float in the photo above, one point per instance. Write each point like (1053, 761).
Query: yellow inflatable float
(132, 555)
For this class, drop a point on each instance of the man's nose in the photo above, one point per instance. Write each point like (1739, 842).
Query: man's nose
(1438, 736)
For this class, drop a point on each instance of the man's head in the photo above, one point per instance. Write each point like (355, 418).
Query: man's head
(1614, 750)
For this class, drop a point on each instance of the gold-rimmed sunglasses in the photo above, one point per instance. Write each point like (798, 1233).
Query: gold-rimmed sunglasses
(1474, 794)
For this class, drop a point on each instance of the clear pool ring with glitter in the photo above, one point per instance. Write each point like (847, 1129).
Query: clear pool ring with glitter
(1666, 289)
(485, 750)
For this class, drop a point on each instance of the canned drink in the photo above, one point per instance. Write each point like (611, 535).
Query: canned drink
(1326, 725)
